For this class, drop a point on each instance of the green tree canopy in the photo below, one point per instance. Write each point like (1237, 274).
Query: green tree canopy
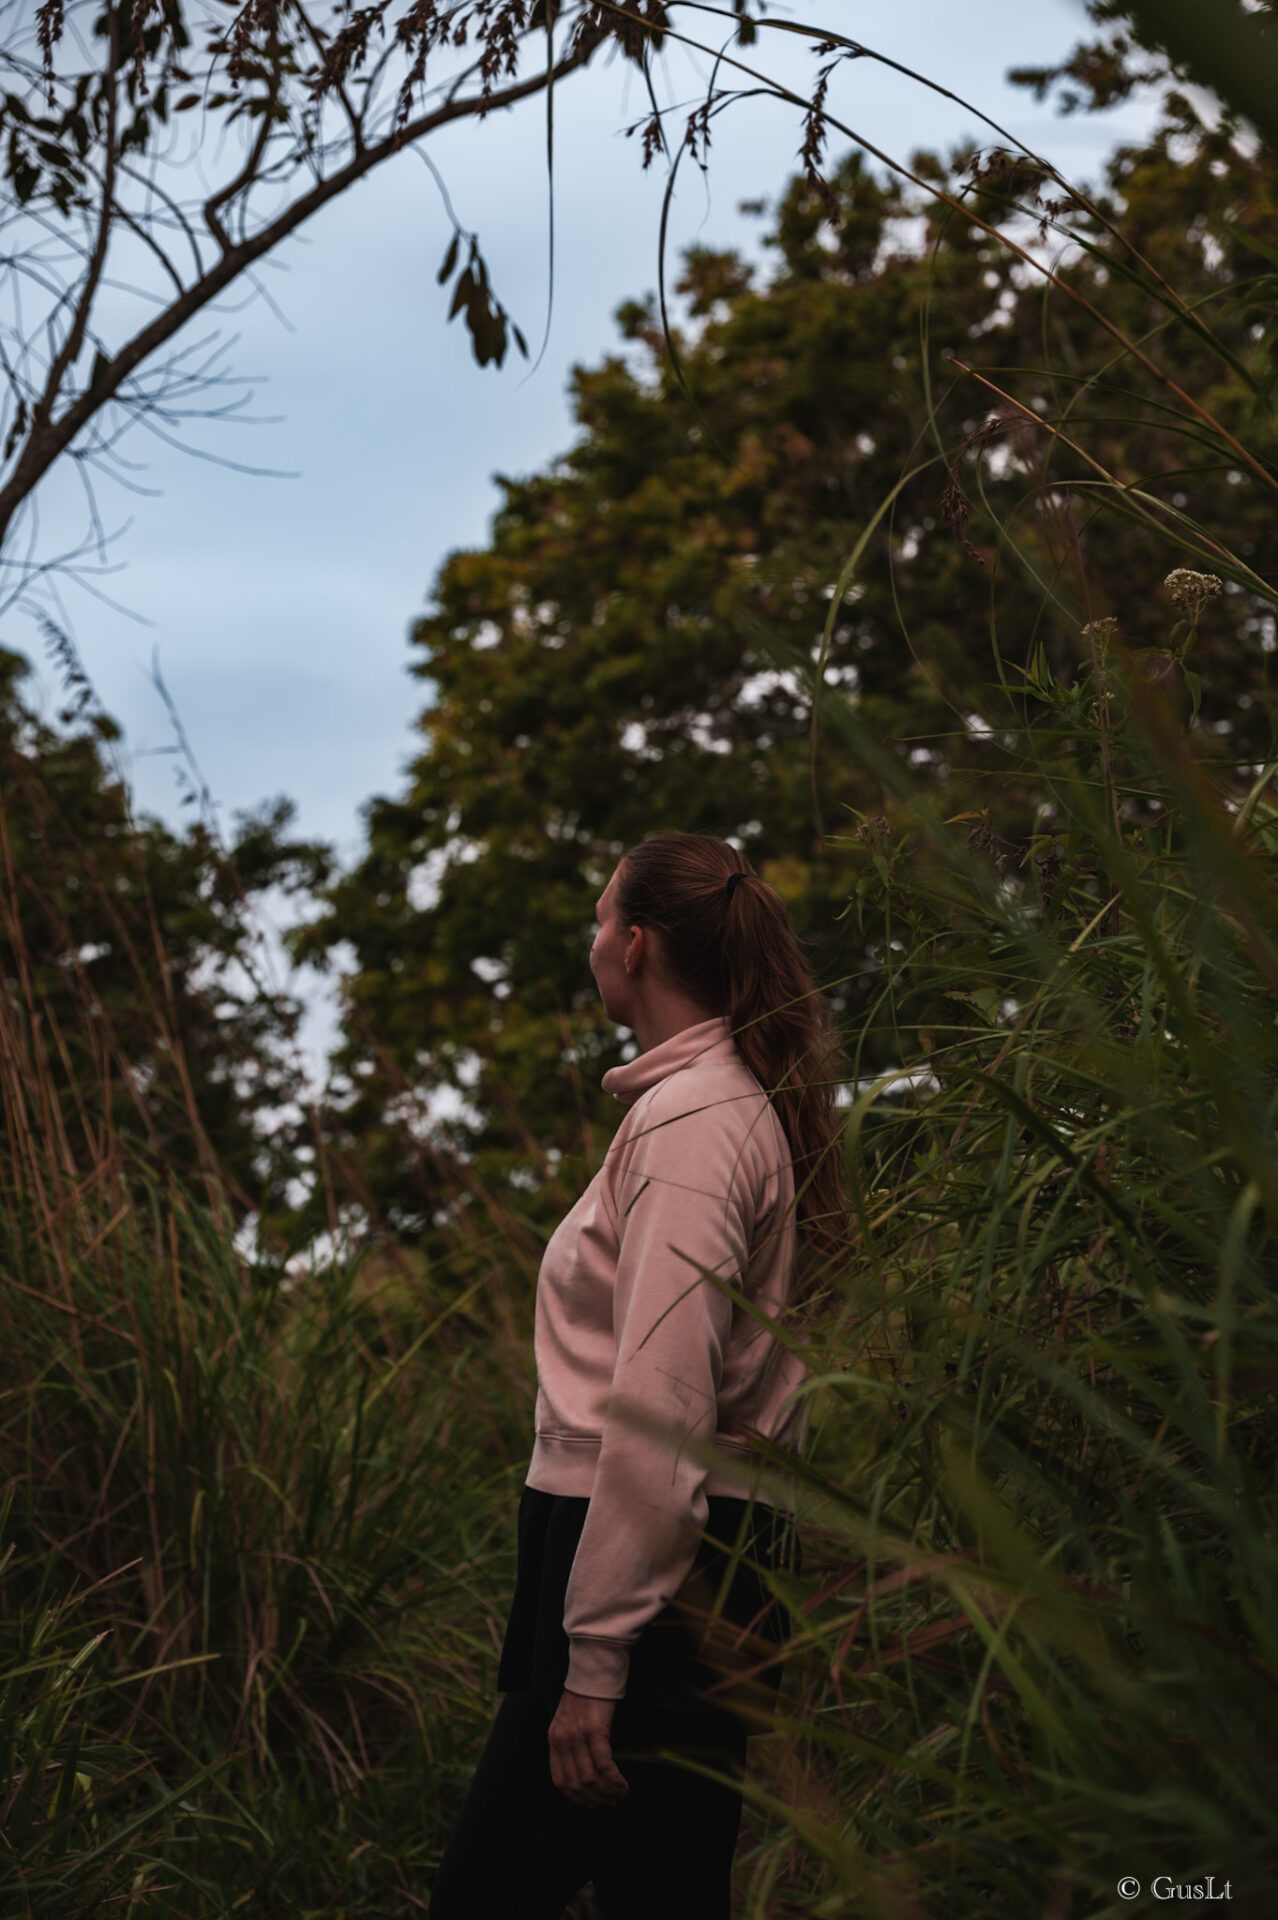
(133, 1010)
(635, 647)
(1229, 46)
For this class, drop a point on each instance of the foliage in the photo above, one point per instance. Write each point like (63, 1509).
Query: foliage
(1032, 1648)
(1040, 1635)
(259, 1516)
(255, 1521)
(135, 1009)
(1227, 46)
(636, 647)
(1041, 1646)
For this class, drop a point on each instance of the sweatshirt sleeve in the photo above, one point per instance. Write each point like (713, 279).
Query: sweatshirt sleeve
(685, 1206)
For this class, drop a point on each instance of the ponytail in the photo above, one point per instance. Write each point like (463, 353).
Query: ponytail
(729, 945)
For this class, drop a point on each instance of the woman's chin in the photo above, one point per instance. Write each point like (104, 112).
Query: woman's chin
(616, 1007)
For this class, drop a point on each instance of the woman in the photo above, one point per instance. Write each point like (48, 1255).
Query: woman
(641, 1624)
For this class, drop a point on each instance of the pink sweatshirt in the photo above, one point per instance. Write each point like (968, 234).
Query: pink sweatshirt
(697, 1180)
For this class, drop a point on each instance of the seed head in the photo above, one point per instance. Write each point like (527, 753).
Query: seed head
(1191, 591)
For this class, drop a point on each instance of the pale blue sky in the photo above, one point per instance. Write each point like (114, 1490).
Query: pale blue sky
(281, 607)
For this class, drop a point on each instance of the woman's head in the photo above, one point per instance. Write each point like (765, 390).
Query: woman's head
(724, 941)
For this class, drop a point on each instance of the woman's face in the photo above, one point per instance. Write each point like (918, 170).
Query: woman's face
(614, 944)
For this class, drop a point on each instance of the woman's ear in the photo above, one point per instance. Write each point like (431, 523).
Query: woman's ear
(636, 950)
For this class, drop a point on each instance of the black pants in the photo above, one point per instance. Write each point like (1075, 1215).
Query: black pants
(521, 1849)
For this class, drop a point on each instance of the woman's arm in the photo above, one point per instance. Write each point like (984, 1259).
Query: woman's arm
(686, 1204)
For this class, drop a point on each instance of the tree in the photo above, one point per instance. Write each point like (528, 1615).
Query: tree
(635, 647)
(112, 105)
(134, 1013)
(1224, 45)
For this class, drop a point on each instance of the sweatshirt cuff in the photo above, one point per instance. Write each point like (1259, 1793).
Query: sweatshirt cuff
(598, 1667)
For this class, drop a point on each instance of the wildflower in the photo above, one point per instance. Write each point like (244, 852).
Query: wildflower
(1191, 591)
(1102, 634)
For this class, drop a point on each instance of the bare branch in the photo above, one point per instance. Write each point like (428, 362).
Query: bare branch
(173, 206)
(50, 438)
(149, 240)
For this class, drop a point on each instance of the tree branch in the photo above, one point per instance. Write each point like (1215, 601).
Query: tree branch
(244, 178)
(50, 438)
(317, 41)
(175, 208)
(149, 240)
(71, 346)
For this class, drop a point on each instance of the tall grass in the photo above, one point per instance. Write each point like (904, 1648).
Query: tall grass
(1036, 1651)
(1040, 1650)
(257, 1535)
(255, 1527)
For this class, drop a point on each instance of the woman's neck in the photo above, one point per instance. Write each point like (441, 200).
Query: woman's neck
(670, 1013)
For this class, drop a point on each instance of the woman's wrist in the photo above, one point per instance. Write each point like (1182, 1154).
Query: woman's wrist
(597, 1668)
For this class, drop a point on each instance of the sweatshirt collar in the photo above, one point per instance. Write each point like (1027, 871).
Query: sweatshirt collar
(635, 1077)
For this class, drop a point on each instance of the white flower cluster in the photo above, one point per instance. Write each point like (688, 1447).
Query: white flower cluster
(1102, 633)
(1191, 591)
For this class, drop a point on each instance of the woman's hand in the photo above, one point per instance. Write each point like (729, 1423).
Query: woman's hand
(581, 1762)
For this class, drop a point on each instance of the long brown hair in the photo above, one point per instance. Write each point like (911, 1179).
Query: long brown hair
(733, 950)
